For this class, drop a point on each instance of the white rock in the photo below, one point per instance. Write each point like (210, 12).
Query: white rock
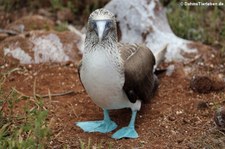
(144, 21)
(19, 54)
(48, 48)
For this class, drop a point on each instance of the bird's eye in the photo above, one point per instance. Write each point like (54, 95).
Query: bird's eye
(109, 24)
(93, 25)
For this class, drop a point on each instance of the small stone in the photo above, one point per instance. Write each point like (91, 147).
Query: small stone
(180, 140)
(173, 132)
(211, 104)
(35, 74)
(71, 65)
(142, 142)
(171, 118)
(203, 105)
(211, 65)
(186, 121)
(201, 84)
(201, 64)
(220, 76)
(179, 112)
(205, 84)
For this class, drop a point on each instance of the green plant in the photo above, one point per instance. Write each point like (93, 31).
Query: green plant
(56, 4)
(59, 5)
(71, 6)
(61, 27)
(25, 127)
(9, 4)
(198, 23)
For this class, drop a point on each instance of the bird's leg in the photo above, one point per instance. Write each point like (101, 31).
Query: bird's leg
(103, 126)
(129, 131)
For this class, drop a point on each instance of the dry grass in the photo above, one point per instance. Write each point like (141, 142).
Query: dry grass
(22, 119)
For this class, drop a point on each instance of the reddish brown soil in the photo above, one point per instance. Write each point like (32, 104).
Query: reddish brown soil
(176, 117)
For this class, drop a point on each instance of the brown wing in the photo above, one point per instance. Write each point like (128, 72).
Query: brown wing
(140, 81)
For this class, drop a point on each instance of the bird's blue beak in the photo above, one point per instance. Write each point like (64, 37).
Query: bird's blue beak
(102, 28)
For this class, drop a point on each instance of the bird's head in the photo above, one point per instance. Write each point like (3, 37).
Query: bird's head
(102, 25)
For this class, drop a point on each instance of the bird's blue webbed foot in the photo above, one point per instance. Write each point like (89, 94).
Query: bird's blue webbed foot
(125, 132)
(97, 126)
(103, 126)
(129, 131)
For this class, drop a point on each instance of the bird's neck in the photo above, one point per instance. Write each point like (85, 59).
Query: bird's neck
(108, 48)
(108, 45)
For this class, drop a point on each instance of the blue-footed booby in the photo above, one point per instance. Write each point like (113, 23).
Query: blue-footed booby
(114, 75)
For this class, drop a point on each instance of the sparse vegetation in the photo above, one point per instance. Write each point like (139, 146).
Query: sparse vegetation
(61, 27)
(198, 23)
(22, 119)
(211, 139)
(56, 4)
(81, 9)
(88, 144)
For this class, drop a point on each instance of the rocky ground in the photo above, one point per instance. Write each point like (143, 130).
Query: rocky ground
(179, 116)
